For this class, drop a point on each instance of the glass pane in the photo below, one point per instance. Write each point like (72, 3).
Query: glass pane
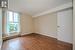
(16, 17)
(13, 27)
(10, 16)
(16, 27)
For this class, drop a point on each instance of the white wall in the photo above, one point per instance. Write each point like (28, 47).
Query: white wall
(73, 24)
(46, 25)
(0, 27)
(65, 23)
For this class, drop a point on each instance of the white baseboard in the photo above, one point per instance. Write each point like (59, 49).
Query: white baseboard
(46, 35)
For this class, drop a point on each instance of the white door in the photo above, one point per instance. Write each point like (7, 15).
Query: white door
(65, 25)
(0, 28)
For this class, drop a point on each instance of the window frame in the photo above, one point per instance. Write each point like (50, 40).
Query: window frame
(7, 22)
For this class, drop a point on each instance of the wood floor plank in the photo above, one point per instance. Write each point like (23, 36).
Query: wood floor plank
(34, 42)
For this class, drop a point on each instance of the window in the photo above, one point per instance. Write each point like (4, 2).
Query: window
(12, 22)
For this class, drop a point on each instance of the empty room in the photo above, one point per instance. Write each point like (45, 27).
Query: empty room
(36, 25)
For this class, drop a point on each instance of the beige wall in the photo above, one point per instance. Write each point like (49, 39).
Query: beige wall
(26, 24)
(46, 25)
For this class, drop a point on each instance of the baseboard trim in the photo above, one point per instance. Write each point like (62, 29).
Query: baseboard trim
(14, 36)
(64, 43)
(58, 41)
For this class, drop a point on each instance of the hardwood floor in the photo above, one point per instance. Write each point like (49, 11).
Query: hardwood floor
(34, 42)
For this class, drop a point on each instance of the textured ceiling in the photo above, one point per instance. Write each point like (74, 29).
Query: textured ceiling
(33, 7)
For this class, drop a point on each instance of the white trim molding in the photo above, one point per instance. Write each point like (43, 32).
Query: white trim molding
(61, 7)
